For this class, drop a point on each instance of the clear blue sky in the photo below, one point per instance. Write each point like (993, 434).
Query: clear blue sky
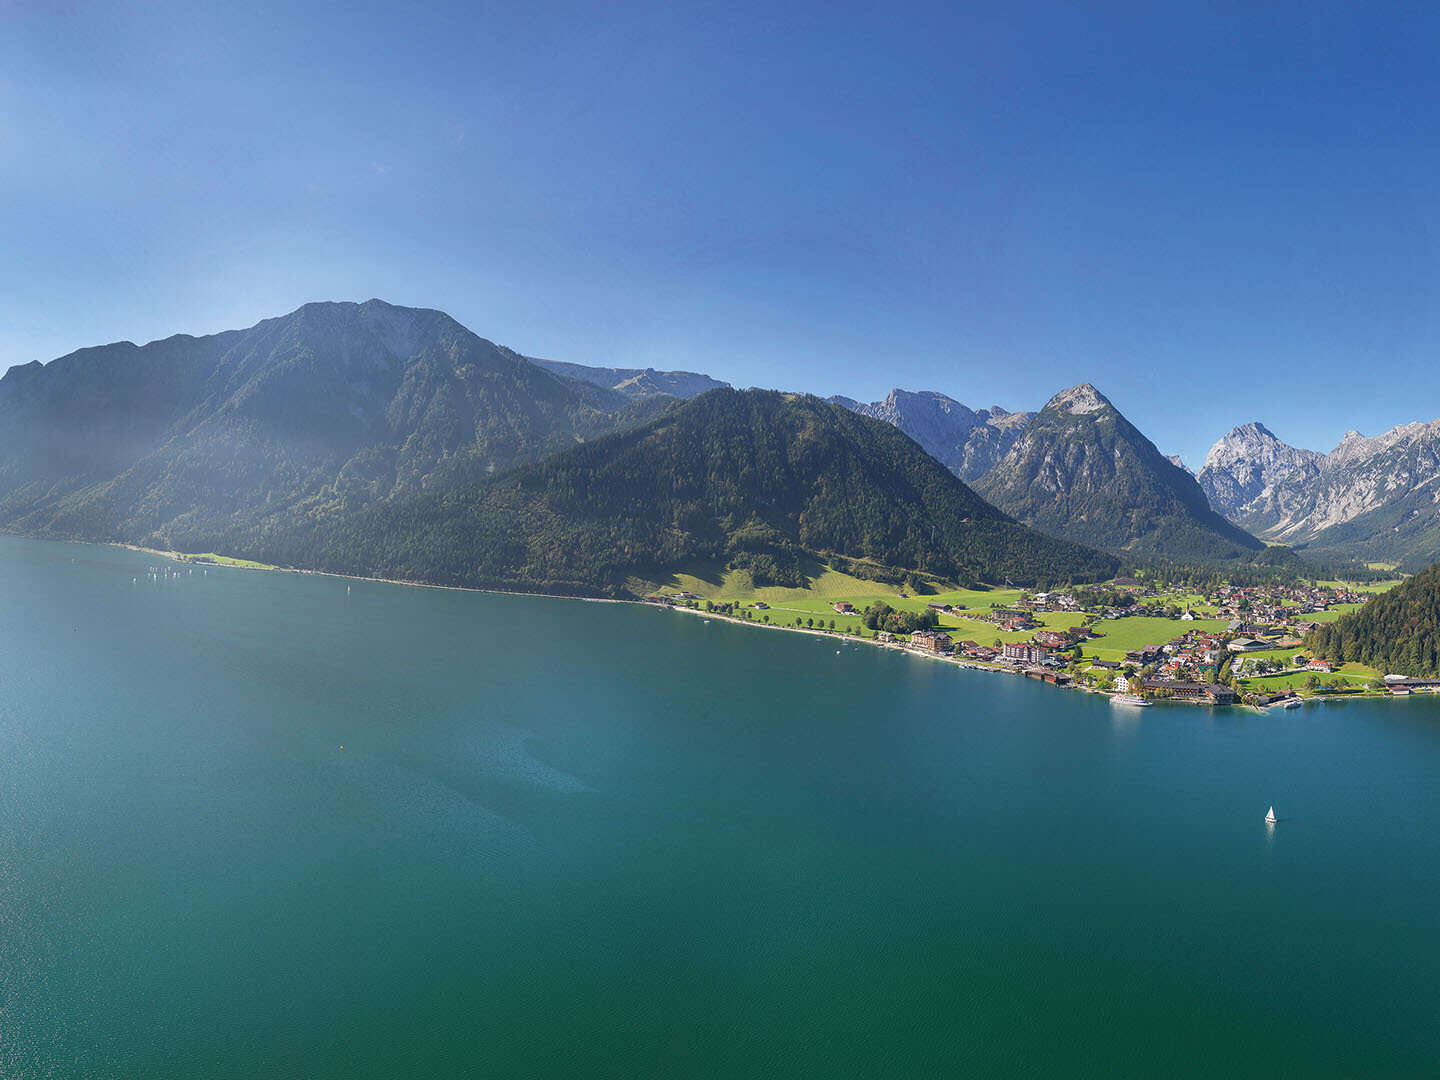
(1216, 212)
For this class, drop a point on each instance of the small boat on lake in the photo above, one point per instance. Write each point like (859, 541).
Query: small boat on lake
(1270, 817)
(1130, 699)
(1293, 703)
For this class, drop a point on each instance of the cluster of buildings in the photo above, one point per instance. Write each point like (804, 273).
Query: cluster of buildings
(1258, 618)
(932, 641)
(1182, 689)
(1298, 662)
(1255, 606)
(1186, 654)
(1043, 601)
(1013, 619)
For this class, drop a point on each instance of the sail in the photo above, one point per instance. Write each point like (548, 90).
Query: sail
(1271, 815)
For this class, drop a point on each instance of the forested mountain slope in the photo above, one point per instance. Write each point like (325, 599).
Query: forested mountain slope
(1397, 631)
(754, 479)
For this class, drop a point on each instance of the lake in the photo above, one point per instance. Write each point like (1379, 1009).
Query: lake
(262, 824)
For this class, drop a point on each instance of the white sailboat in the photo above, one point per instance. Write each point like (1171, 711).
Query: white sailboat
(1270, 817)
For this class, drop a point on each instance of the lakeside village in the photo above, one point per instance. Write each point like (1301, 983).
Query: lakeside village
(1234, 645)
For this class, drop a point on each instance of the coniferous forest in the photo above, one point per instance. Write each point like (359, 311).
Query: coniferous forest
(755, 480)
(1398, 630)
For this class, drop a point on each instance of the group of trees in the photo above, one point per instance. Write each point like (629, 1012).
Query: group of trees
(1272, 566)
(1337, 685)
(881, 616)
(1101, 596)
(1398, 630)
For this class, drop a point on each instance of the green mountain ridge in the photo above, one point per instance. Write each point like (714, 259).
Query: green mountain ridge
(754, 479)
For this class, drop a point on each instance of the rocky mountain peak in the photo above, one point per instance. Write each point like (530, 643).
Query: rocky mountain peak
(964, 440)
(1081, 470)
(1247, 443)
(1246, 464)
(1253, 430)
(1078, 400)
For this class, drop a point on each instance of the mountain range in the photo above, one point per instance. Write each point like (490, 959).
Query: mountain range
(1374, 499)
(966, 441)
(1080, 469)
(288, 432)
(194, 442)
(758, 481)
(395, 440)
(1077, 469)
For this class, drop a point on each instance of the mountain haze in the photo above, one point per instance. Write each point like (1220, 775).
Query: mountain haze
(201, 442)
(636, 382)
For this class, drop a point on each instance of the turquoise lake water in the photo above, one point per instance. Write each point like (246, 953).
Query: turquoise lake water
(576, 839)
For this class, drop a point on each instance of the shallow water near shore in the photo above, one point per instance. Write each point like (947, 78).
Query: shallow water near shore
(572, 839)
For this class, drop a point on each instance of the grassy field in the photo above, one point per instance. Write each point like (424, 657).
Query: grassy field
(828, 586)
(1282, 655)
(1122, 635)
(209, 557)
(1295, 680)
(1364, 586)
(1333, 613)
(1358, 669)
(786, 610)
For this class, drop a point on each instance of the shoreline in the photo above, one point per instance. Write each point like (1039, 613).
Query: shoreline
(972, 665)
(182, 557)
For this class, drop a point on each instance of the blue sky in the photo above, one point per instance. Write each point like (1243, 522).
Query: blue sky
(1216, 212)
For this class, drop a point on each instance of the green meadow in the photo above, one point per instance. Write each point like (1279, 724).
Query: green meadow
(1296, 680)
(1122, 635)
(828, 586)
(1365, 586)
(1282, 655)
(1333, 613)
(210, 558)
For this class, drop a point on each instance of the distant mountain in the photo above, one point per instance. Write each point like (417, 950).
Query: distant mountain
(1080, 470)
(757, 480)
(1397, 631)
(211, 441)
(966, 441)
(1245, 467)
(1370, 498)
(636, 382)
